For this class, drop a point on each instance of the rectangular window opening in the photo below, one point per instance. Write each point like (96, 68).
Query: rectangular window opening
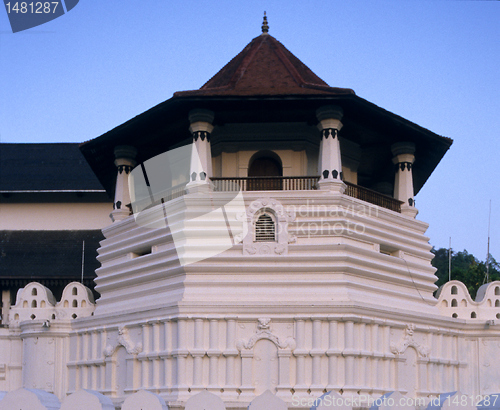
(142, 252)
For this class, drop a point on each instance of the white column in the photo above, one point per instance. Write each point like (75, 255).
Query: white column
(180, 354)
(85, 357)
(198, 353)
(109, 365)
(156, 383)
(230, 353)
(378, 355)
(422, 363)
(214, 354)
(403, 184)
(125, 162)
(316, 352)
(167, 349)
(247, 389)
(363, 365)
(388, 357)
(93, 367)
(100, 353)
(330, 162)
(284, 386)
(333, 353)
(201, 154)
(439, 367)
(145, 381)
(349, 354)
(300, 353)
(455, 357)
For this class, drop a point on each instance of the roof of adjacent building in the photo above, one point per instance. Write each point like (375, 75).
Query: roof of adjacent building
(53, 258)
(265, 67)
(53, 167)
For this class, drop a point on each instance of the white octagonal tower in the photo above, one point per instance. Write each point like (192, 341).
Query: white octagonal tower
(270, 243)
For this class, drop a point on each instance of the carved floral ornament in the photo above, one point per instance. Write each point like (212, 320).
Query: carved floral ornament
(407, 341)
(264, 332)
(123, 340)
(273, 204)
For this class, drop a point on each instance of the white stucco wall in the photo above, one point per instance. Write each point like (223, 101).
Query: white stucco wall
(455, 301)
(54, 216)
(236, 164)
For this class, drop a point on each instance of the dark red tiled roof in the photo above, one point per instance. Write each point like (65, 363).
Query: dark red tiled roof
(265, 67)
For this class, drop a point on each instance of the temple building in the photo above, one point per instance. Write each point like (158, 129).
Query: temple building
(263, 236)
(42, 188)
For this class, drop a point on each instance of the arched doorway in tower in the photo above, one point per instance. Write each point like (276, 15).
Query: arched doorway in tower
(265, 171)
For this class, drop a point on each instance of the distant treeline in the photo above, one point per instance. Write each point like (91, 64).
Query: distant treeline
(465, 267)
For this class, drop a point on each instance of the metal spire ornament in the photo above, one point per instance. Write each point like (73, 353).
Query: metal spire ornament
(265, 26)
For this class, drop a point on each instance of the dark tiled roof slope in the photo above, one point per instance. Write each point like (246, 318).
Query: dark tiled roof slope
(45, 167)
(27, 256)
(265, 67)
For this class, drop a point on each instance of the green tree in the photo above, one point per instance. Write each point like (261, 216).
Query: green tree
(464, 267)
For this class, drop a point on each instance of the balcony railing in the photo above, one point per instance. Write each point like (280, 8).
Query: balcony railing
(373, 197)
(277, 184)
(301, 183)
(265, 183)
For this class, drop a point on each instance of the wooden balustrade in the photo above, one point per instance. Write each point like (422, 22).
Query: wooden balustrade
(281, 184)
(373, 197)
(302, 183)
(265, 183)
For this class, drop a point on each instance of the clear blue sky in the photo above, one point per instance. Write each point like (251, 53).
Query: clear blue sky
(436, 63)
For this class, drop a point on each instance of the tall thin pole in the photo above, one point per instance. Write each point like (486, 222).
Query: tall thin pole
(488, 252)
(449, 261)
(83, 258)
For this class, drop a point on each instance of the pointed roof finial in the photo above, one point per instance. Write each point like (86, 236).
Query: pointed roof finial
(265, 26)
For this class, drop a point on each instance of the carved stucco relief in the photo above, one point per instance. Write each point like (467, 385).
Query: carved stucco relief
(407, 341)
(125, 341)
(264, 332)
(282, 219)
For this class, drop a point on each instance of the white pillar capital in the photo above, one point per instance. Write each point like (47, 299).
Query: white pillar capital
(330, 123)
(403, 148)
(201, 121)
(328, 112)
(125, 152)
(125, 162)
(404, 158)
(201, 126)
(202, 115)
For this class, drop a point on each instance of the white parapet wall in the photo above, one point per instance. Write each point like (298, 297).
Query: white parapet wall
(239, 357)
(36, 302)
(341, 301)
(34, 346)
(454, 300)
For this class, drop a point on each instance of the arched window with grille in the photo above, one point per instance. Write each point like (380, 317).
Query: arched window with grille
(265, 228)
(268, 228)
